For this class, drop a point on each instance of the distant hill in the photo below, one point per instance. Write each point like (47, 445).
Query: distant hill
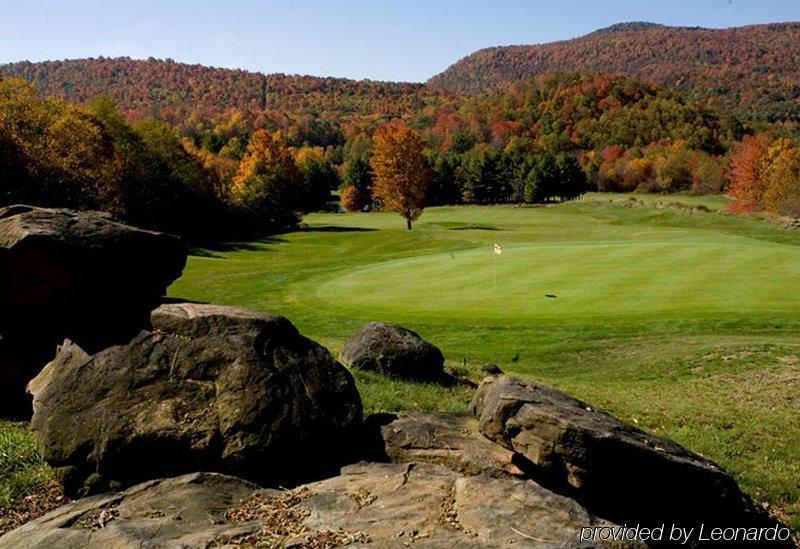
(752, 71)
(170, 91)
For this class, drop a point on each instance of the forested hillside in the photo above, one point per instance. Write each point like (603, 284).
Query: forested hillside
(753, 71)
(138, 137)
(182, 94)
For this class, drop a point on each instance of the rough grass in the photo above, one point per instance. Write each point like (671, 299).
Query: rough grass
(21, 468)
(27, 489)
(686, 323)
(715, 202)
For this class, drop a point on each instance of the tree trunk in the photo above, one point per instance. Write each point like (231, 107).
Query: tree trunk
(408, 223)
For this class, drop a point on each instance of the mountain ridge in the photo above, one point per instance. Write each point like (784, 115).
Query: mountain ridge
(167, 89)
(753, 70)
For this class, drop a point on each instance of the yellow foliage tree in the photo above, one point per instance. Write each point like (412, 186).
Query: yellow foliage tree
(401, 173)
(267, 173)
(782, 178)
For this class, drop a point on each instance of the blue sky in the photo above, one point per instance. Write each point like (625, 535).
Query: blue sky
(406, 40)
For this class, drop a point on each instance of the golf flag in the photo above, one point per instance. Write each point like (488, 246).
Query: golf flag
(497, 249)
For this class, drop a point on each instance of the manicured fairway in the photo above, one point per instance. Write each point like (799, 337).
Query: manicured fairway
(687, 323)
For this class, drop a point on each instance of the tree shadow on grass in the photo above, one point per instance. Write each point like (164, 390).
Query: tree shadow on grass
(476, 228)
(216, 249)
(461, 226)
(336, 229)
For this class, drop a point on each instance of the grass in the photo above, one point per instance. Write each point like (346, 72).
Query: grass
(27, 487)
(714, 202)
(21, 469)
(685, 323)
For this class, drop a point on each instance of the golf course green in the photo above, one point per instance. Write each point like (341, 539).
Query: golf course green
(669, 313)
(577, 280)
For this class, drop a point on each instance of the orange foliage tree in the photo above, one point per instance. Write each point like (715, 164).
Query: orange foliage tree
(401, 173)
(351, 199)
(747, 184)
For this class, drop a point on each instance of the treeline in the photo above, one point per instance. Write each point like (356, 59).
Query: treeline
(549, 138)
(666, 166)
(558, 135)
(750, 71)
(198, 98)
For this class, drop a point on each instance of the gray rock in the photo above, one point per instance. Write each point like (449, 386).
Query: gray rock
(367, 505)
(76, 275)
(491, 370)
(186, 511)
(211, 389)
(452, 440)
(614, 469)
(393, 350)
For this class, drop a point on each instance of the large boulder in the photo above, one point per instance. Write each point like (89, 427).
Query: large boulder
(453, 440)
(76, 275)
(612, 468)
(212, 388)
(367, 505)
(393, 350)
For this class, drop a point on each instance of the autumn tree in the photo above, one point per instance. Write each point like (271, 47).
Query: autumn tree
(781, 174)
(180, 193)
(53, 153)
(708, 176)
(220, 169)
(401, 173)
(747, 184)
(65, 149)
(266, 180)
(674, 169)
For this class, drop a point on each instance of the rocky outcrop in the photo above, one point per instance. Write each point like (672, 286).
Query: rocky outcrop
(452, 440)
(187, 511)
(211, 388)
(368, 504)
(76, 275)
(394, 351)
(614, 469)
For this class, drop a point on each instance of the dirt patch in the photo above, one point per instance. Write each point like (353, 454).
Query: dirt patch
(43, 500)
(363, 497)
(326, 539)
(282, 520)
(279, 514)
(97, 519)
(449, 514)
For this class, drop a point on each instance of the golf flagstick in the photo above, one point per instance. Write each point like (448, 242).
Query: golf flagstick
(496, 250)
(494, 271)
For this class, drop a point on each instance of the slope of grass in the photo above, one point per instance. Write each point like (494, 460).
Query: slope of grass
(683, 322)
